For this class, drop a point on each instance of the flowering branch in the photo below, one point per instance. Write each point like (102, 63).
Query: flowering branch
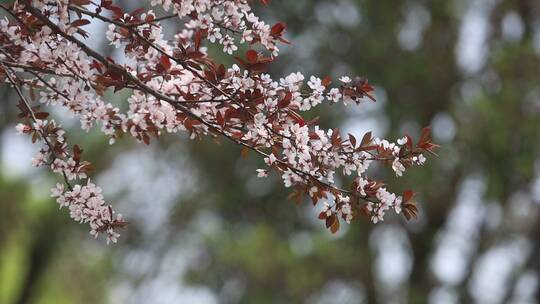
(176, 86)
(85, 203)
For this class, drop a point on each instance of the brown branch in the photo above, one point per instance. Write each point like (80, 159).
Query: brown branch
(143, 87)
(34, 118)
(33, 68)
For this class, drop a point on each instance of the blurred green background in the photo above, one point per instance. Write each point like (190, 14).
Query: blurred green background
(204, 229)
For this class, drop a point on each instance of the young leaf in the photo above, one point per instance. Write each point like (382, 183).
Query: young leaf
(366, 139)
(165, 62)
(252, 56)
(335, 226)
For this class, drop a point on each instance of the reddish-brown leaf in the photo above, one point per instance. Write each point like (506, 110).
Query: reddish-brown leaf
(210, 76)
(424, 137)
(80, 2)
(336, 139)
(327, 81)
(352, 139)
(195, 55)
(80, 22)
(220, 73)
(241, 61)
(407, 196)
(220, 120)
(77, 151)
(96, 65)
(146, 138)
(138, 11)
(252, 56)
(198, 38)
(258, 67)
(297, 118)
(410, 211)
(278, 29)
(117, 11)
(41, 115)
(165, 62)
(86, 167)
(366, 139)
(409, 143)
(330, 220)
(335, 226)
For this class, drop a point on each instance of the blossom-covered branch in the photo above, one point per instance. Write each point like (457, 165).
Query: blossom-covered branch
(176, 86)
(85, 202)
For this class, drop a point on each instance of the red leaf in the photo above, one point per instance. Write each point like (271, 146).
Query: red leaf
(424, 137)
(407, 196)
(220, 73)
(366, 89)
(210, 76)
(352, 139)
(297, 118)
(165, 62)
(41, 115)
(335, 226)
(117, 11)
(146, 139)
(96, 65)
(327, 81)
(198, 38)
(278, 29)
(195, 55)
(80, 2)
(149, 18)
(252, 56)
(241, 61)
(366, 139)
(80, 22)
(77, 151)
(106, 3)
(410, 211)
(138, 12)
(336, 138)
(285, 101)
(409, 143)
(366, 148)
(330, 220)
(258, 67)
(220, 120)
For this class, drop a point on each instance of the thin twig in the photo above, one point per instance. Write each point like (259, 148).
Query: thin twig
(34, 118)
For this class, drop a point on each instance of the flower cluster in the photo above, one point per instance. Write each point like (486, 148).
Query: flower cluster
(85, 203)
(176, 86)
(219, 19)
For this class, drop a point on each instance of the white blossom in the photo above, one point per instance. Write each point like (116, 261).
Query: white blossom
(262, 173)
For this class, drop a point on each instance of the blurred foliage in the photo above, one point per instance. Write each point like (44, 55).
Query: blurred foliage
(254, 245)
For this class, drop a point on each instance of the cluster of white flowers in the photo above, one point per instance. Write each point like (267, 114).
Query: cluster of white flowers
(113, 36)
(175, 86)
(85, 203)
(386, 201)
(219, 18)
(63, 58)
